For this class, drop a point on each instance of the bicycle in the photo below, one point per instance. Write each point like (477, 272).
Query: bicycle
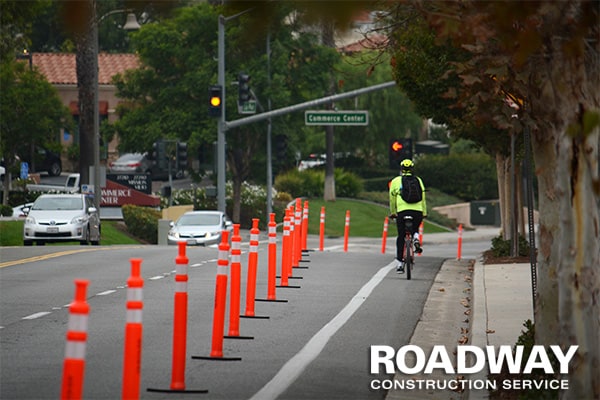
(408, 253)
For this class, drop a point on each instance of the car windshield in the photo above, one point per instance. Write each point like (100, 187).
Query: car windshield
(130, 157)
(58, 203)
(199, 219)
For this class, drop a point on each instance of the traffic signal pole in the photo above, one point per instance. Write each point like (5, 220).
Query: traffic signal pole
(223, 125)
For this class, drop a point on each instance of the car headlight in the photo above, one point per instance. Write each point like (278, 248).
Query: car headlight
(29, 221)
(174, 234)
(79, 220)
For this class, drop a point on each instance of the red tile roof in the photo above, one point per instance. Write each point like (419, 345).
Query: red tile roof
(59, 68)
(374, 41)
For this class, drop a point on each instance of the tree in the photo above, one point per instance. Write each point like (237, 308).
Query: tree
(546, 55)
(167, 97)
(31, 112)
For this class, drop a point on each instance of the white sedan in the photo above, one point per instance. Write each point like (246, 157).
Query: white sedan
(199, 228)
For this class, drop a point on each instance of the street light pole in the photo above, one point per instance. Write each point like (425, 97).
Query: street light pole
(130, 25)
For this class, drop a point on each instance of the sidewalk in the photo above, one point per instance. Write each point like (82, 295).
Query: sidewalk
(469, 303)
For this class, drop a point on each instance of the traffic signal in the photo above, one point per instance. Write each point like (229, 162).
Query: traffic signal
(182, 157)
(399, 149)
(159, 154)
(215, 101)
(243, 87)
(281, 147)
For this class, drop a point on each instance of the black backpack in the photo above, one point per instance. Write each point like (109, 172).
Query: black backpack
(411, 189)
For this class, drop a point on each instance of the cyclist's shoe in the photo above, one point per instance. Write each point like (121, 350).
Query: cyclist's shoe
(400, 267)
(418, 248)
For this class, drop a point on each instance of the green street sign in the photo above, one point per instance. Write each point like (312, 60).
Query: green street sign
(336, 118)
(248, 107)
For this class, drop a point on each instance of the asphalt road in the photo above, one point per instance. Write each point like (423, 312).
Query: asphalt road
(314, 346)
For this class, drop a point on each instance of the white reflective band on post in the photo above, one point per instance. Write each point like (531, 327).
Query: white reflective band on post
(223, 254)
(181, 269)
(286, 232)
(254, 237)
(272, 239)
(134, 316)
(180, 287)
(253, 248)
(134, 294)
(78, 322)
(75, 350)
(272, 230)
(221, 269)
(235, 258)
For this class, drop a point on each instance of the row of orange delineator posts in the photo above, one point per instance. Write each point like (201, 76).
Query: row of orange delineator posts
(295, 230)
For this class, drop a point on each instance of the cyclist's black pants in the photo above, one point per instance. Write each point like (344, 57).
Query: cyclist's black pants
(417, 219)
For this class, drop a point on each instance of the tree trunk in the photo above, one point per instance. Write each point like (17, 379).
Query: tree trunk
(87, 78)
(329, 189)
(567, 305)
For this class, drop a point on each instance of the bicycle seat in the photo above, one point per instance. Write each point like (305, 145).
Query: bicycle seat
(407, 217)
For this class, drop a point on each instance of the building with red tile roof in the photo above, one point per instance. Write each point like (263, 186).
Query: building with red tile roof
(60, 70)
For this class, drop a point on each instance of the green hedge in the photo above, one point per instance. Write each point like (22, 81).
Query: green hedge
(142, 222)
(311, 183)
(466, 176)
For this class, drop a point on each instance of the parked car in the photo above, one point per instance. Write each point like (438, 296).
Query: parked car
(45, 160)
(131, 163)
(199, 228)
(314, 160)
(21, 211)
(61, 218)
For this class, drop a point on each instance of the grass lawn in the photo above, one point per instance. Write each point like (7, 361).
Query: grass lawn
(11, 234)
(366, 218)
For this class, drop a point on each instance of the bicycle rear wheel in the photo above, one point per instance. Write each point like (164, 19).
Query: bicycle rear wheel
(408, 258)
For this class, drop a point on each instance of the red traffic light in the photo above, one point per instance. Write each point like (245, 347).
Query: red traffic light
(396, 145)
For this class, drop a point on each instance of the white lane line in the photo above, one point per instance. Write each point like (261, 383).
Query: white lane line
(297, 364)
(106, 292)
(157, 277)
(37, 315)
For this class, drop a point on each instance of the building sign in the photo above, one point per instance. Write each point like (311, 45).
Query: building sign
(116, 195)
(140, 182)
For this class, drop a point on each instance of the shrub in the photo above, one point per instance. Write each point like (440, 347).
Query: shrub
(501, 247)
(142, 222)
(5, 211)
(311, 183)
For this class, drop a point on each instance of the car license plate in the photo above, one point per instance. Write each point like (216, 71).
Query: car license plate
(191, 241)
(52, 229)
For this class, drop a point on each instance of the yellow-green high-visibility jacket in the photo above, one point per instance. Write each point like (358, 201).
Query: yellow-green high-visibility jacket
(398, 205)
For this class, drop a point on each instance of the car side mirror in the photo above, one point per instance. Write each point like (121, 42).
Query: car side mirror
(92, 210)
(26, 210)
(171, 224)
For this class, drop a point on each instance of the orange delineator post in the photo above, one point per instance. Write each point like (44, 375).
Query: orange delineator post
(252, 266)
(420, 237)
(180, 319)
(220, 297)
(460, 231)
(346, 230)
(132, 363)
(272, 249)
(285, 249)
(384, 235)
(292, 243)
(298, 233)
(236, 272)
(304, 225)
(322, 228)
(74, 362)
(179, 325)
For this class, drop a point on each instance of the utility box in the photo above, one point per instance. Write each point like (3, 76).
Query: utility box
(485, 213)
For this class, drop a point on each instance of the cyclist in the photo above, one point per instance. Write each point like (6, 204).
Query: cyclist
(400, 208)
